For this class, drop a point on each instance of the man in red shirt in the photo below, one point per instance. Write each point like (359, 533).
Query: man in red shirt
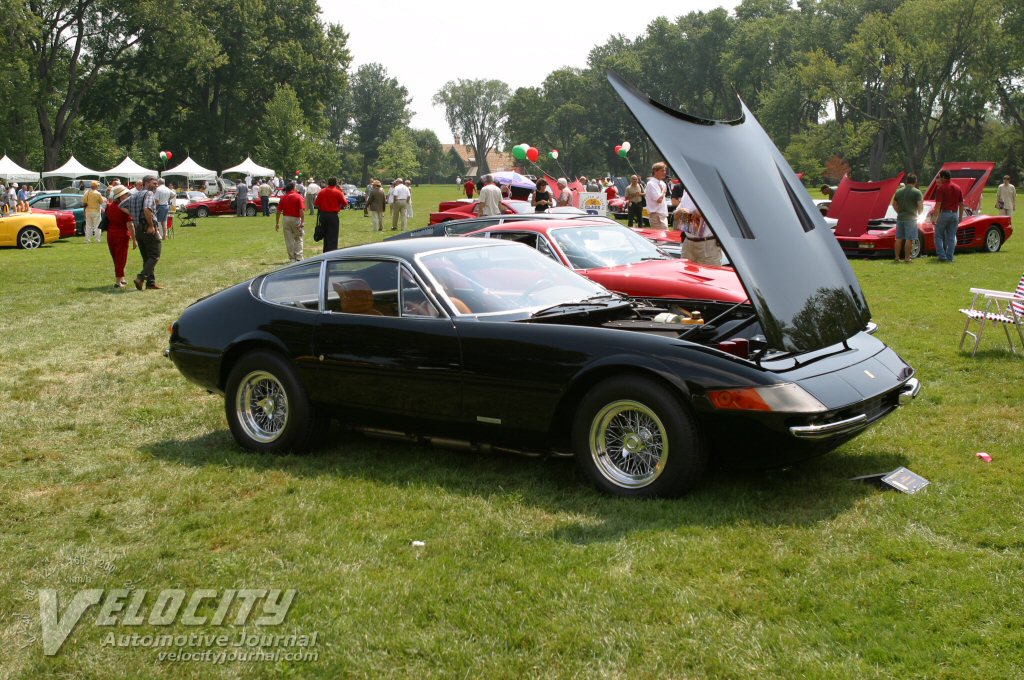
(949, 210)
(292, 206)
(470, 187)
(330, 201)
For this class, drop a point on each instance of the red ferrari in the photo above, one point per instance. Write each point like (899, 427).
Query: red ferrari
(220, 205)
(867, 221)
(621, 260)
(65, 220)
(463, 208)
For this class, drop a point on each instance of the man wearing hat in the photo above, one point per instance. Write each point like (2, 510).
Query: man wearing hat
(93, 201)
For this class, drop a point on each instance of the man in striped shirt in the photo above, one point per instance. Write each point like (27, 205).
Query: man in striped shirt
(142, 207)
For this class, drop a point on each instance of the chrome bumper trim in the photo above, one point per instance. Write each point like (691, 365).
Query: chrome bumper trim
(909, 390)
(829, 429)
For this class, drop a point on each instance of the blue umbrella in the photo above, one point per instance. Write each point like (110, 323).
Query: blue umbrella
(514, 179)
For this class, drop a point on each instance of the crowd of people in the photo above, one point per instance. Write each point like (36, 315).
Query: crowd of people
(137, 215)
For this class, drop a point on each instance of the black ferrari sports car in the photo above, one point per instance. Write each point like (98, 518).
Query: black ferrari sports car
(492, 343)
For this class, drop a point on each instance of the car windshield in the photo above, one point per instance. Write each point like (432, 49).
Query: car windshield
(594, 246)
(500, 278)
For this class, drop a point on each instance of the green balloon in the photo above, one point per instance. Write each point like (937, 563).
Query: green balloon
(623, 152)
(519, 152)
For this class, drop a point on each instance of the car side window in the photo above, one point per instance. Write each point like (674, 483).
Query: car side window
(368, 287)
(294, 287)
(414, 301)
(71, 202)
(54, 203)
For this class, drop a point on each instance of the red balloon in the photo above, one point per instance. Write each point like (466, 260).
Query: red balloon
(170, 155)
(533, 154)
(617, 147)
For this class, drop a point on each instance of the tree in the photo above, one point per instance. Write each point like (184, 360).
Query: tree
(397, 156)
(379, 105)
(435, 164)
(71, 44)
(475, 111)
(286, 136)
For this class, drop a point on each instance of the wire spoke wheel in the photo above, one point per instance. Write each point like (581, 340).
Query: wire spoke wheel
(629, 443)
(261, 406)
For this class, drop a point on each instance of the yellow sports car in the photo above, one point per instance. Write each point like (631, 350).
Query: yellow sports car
(28, 230)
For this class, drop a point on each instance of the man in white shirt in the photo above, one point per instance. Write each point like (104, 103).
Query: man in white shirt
(655, 195)
(490, 198)
(312, 189)
(564, 196)
(399, 200)
(1006, 197)
(264, 193)
(163, 196)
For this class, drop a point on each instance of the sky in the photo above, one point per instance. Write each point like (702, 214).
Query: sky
(425, 43)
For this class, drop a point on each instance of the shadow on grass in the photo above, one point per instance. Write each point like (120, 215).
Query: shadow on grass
(805, 494)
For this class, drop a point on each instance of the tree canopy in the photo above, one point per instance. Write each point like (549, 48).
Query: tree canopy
(869, 87)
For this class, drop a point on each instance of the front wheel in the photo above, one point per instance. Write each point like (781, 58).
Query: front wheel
(632, 437)
(993, 240)
(267, 407)
(202, 212)
(250, 211)
(30, 238)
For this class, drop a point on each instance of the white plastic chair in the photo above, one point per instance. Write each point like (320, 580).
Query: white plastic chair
(997, 308)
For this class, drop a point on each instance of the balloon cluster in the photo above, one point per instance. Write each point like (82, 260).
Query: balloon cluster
(553, 154)
(622, 149)
(166, 156)
(525, 151)
(298, 172)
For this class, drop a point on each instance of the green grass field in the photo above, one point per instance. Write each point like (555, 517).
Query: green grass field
(117, 473)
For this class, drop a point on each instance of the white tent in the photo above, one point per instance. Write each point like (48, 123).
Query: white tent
(247, 167)
(128, 169)
(12, 172)
(191, 170)
(71, 169)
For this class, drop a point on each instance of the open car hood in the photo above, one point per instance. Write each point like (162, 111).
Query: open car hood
(800, 284)
(855, 203)
(970, 177)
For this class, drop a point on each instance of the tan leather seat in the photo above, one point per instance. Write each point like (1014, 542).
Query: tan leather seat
(356, 297)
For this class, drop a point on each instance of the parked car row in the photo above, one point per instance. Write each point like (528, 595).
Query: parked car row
(864, 222)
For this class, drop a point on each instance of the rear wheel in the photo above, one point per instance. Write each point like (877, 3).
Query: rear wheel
(631, 437)
(250, 211)
(993, 240)
(917, 248)
(202, 212)
(30, 238)
(267, 407)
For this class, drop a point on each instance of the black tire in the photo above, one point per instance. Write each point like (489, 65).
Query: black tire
(30, 238)
(993, 239)
(202, 212)
(250, 211)
(267, 407)
(642, 419)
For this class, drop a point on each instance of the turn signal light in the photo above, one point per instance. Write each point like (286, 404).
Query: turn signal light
(739, 400)
(784, 398)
